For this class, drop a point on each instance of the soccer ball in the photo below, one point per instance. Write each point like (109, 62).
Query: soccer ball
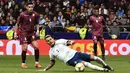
(114, 36)
(79, 67)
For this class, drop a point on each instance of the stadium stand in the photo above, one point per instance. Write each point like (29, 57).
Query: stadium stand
(68, 13)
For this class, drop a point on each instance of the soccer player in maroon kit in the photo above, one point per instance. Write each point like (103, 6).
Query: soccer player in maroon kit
(97, 23)
(27, 21)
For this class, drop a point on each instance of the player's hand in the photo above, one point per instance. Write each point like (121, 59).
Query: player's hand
(37, 33)
(42, 70)
(15, 35)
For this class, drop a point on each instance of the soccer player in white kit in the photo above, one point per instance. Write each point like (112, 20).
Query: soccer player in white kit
(59, 49)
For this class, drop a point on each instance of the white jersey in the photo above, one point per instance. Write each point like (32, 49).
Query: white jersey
(61, 51)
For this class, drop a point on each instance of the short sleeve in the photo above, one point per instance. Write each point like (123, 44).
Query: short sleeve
(62, 41)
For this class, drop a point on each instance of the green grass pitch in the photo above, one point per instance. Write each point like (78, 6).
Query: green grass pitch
(12, 64)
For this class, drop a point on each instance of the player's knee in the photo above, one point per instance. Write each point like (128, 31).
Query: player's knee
(24, 47)
(95, 57)
(95, 41)
(92, 57)
(35, 47)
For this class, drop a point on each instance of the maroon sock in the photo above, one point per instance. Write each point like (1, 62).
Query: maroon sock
(23, 56)
(103, 50)
(37, 55)
(95, 49)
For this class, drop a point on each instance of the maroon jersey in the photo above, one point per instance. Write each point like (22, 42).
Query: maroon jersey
(27, 21)
(97, 25)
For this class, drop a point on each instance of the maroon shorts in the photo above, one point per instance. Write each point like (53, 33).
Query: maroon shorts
(27, 38)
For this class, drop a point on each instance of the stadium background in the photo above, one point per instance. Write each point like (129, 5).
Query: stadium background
(49, 9)
(118, 50)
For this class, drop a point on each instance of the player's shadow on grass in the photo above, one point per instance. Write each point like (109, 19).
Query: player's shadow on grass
(72, 71)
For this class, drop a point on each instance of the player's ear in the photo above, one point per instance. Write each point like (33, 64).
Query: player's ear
(26, 6)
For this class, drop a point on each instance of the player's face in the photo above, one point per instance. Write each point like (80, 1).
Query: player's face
(30, 8)
(50, 41)
(96, 12)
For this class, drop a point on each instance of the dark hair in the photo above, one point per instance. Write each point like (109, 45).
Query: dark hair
(29, 3)
(47, 36)
(96, 9)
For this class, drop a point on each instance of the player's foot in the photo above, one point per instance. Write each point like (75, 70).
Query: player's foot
(95, 53)
(38, 65)
(24, 65)
(106, 70)
(109, 68)
(103, 58)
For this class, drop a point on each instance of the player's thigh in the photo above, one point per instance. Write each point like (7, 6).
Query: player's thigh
(84, 56)
(95, 39)
(101, 40)
(35, 44)
(24, 46)
(34, 41)
(23, 39)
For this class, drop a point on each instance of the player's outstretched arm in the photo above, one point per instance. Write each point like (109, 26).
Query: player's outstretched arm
(52, 63)
(69, 42)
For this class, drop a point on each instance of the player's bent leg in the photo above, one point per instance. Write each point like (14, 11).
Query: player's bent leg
(100, 61)
(35, 45)
(94, 67)
(23, 55)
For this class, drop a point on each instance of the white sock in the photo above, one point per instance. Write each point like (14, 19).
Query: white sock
(87, 64)
(36, 62)
(99, 60)
(23, 63)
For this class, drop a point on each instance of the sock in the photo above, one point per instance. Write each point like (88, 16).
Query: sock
(95, 49)
(23, 63)
(36, 62)
(37, 55)
(87, 64)
(103, 50)
(23, 56)
(99, 60)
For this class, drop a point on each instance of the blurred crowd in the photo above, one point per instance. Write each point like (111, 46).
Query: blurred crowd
(68, 15)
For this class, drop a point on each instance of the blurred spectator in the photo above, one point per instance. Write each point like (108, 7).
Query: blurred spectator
(128, 14)
(115, 30)
(66, 2)
(1, 12)
(115, 7)
(48, 29)
(123, 19)
(58, 27)
(120, 12)
(82, 2)
(67, 13)
(54, 21)
(103, 8)
(41, 19)
(77, 5)
(90, 9)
